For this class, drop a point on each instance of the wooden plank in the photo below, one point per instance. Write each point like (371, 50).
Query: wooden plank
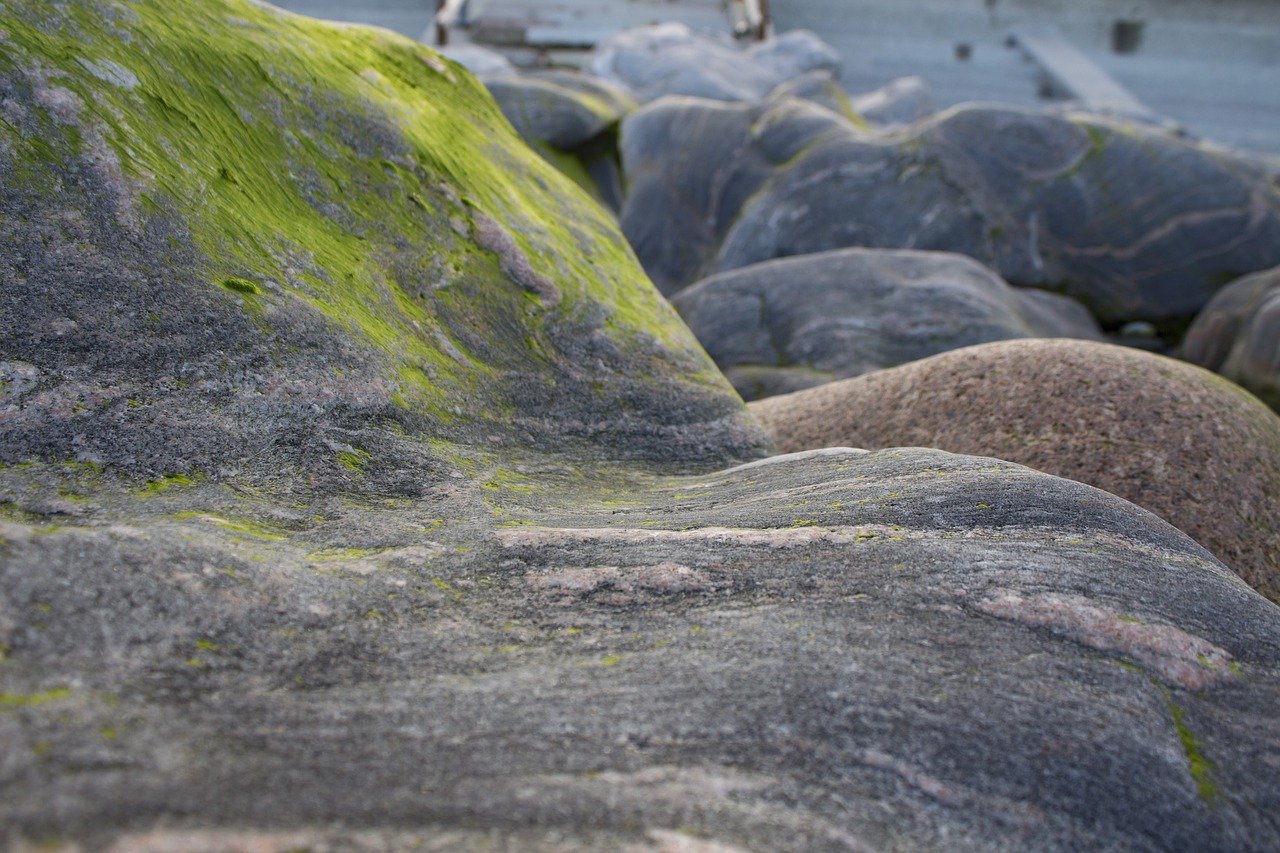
(1073, 74)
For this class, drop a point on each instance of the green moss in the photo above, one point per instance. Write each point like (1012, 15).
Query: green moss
(240, 285)
(353, 460)
(26, 700)
(168, 481)
(249, 528)
(341, 554)
(1200, 768)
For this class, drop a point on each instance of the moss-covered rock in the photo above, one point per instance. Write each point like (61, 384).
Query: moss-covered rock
(236, 240)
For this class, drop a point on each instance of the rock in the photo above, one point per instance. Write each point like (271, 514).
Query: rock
(1133, 222)
(1238, 335)
(416, 524)
(571, 119)
(819, 87)
(359, 256)
(1185, 444)
(690, 164)
(478, 60)
(902, 101)
(671, 59)
(853, 311)
(966, 653)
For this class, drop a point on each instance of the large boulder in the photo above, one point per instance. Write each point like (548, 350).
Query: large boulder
(691, 164)
(215, 265)
(359, 493)
(1178, 440)
(814, 318)
(672, 59)
(1137, 224)
(1238, 335)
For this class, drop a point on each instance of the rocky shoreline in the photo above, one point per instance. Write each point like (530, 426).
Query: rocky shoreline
(360, 489)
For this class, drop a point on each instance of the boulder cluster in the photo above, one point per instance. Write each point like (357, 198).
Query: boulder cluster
(360, 491)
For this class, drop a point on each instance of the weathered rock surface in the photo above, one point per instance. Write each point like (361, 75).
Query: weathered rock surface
(671, 59)
(852, 311)
(1238, 335)
(397, 525)
(1173, 438)
(570, 119)
(902, 649)
(1136, 224)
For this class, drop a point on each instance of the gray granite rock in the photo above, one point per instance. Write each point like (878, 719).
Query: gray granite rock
(691, 164)
(1238, 335)
(852, 311)
(561, 108)
(1135, 223)
(672, 59)
(902, 649)
(477, 59)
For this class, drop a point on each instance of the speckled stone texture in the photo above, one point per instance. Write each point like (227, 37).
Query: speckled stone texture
(1180, 441)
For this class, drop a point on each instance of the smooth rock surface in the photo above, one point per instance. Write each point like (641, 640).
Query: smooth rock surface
(904, 649)
(1178, 440)
(477, 59)
(571, 119)
(401, 518)
(853, 311)
(901, 101)
(672, 59)
(691, 164)
(1238, 335)
(560, 108)
(1134, 223)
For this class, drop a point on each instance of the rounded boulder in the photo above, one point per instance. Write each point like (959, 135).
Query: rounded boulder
(852, 311)
(1238, 335)
(1178, 440)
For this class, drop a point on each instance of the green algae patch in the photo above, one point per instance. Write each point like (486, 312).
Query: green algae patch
(168, 481)
(240, 285)
(27, 700)
(1200, 768)
(254, 529)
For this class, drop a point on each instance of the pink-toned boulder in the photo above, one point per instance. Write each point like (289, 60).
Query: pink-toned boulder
(1180, 441)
